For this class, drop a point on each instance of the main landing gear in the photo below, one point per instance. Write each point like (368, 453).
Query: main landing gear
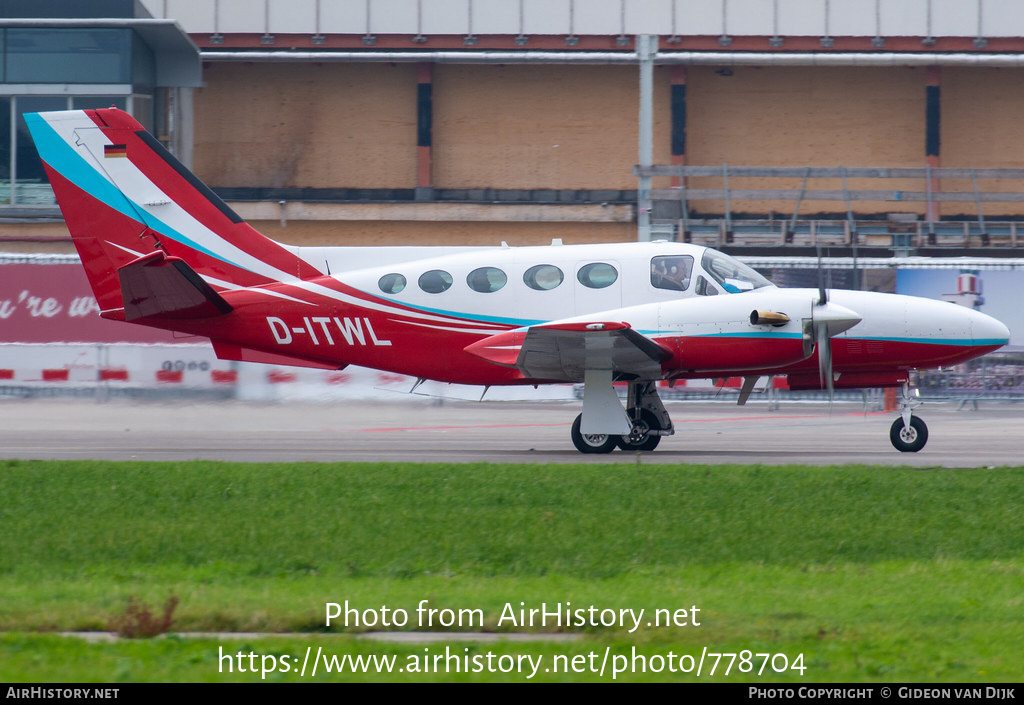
(648, 419)
(908, 433)
(591, 442)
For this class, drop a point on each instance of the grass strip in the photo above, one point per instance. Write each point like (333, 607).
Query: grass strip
(871, 572)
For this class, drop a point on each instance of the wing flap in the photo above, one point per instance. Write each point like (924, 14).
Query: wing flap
(564, 351)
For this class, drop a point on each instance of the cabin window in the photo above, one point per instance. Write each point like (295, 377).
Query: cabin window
(391, 283)
(731, 275)
(435, 281)
(597, 275)
(486, 279)
(704, 287)
(671, 272)
(543, 277)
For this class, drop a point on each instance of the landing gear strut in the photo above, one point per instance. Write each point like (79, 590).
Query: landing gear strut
(648, 420)
(908, 433)
(640, 436)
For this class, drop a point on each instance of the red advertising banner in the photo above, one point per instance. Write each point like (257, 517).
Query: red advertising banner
(52, 303)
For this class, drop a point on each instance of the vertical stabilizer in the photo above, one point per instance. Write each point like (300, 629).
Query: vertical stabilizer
(124, 196)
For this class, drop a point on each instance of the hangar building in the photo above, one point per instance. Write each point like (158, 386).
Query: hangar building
(481, 121)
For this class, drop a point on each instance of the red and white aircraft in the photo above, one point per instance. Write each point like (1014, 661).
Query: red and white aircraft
(161, 249)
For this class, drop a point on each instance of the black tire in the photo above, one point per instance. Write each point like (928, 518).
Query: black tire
(908, 439)
(646, 441)
(591, 443)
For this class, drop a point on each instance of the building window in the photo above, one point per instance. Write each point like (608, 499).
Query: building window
(23, 181)
(68, 55)
(64, 68)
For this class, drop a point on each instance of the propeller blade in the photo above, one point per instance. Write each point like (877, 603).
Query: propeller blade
(822, 336)
(824, 343)
(828, 320)
(822, 294)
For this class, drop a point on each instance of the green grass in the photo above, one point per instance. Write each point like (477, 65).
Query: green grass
(872, 574)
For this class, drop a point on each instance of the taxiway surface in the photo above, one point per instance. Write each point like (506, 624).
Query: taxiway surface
(425, 431)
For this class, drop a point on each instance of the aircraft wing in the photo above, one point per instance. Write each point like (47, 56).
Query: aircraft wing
(565, 351)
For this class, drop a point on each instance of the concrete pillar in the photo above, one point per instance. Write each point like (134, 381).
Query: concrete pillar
(181, 124)
(646, 48)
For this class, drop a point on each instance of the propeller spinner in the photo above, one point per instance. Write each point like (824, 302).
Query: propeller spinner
(827, 320)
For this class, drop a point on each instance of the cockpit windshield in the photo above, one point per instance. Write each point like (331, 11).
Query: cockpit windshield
(731, 275)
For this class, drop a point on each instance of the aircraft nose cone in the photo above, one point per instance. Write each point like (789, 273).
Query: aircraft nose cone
(987, 330)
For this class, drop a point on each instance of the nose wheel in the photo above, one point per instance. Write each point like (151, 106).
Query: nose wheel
(908, 438)
(908, 433)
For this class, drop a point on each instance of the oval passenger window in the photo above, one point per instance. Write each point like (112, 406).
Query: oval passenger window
(543, 277)
(597, 275)
(486, 279)
(391, 283)
(435, 281)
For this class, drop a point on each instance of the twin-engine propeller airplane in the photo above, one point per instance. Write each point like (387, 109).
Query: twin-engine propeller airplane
(161, 249)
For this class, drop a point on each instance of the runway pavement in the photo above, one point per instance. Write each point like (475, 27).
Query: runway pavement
(422, 430)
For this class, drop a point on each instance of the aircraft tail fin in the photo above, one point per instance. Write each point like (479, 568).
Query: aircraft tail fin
(124, 197)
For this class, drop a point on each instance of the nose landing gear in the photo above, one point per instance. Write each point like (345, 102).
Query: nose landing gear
(908, 433)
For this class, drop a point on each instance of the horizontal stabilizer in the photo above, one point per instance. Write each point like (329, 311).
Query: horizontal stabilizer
(159, 286)
(563, 351)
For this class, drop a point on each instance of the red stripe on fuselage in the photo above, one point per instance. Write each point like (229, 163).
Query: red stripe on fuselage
(894, 355)
(341, 333)
(700, 357)
(706, 356)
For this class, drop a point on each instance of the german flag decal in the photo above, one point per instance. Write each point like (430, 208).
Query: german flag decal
(115, 150)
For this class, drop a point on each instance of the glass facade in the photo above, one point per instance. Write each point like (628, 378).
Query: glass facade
(67, 55)
(23, 180)
(111, 67)
(6, 140)
(31, 187)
